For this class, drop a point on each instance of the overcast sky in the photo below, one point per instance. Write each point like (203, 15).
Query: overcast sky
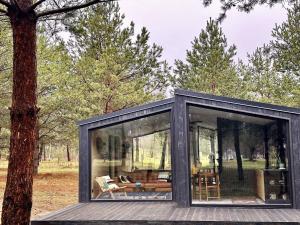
(173, 24)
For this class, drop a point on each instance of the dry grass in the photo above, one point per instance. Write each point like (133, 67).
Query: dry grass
(55, 187)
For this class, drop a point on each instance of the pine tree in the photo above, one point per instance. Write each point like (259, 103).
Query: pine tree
(23, 16)
(116, 69)
(5, 84)
(286, 43)
(209, 64)
(286, 51)
(56, 96)
(264, 82)
(273, 71)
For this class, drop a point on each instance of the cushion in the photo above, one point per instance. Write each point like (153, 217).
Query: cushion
(113, 186)
(108, 179)
(163, 175)
(124, 179)
(129, 178)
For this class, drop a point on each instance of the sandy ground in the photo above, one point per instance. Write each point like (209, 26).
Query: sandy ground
(54, 188)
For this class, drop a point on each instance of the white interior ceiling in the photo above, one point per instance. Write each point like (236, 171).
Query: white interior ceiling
(208, 117)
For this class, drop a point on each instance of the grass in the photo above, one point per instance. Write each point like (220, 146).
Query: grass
(55, 187)
(232, 186)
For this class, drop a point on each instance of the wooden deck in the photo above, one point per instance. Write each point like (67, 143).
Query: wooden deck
(158, 213)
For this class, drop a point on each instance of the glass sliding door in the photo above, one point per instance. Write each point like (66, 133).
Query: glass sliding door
(237, 158)
(132, 160)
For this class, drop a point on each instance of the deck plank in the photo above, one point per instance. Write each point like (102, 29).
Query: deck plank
(160, 213)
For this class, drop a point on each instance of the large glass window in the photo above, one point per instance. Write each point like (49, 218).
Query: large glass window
(237, 158)
(132, 160)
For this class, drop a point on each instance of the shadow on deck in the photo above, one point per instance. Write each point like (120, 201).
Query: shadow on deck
(158, 213)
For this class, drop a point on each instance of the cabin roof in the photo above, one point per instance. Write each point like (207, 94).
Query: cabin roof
(191, 94)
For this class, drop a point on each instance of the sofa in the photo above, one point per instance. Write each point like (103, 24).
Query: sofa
(154, 180)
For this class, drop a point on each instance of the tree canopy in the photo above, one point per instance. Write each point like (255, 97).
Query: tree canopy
(272, 72)
(263, 81)
(115, 67)
(5, 84)
(286, 43)
(209, 64)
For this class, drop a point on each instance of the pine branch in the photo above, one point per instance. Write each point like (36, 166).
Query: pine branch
(36, 4)
(71, 8)
(3, 2)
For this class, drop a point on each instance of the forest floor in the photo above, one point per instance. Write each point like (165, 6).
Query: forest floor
(55, 187)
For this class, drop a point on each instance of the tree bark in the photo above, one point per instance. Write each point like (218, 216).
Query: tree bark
(17, 200)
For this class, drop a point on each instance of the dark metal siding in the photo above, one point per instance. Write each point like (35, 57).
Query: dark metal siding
(181, 176)
(84, 165)
(295, 157)
(220, 99)
(123, 112)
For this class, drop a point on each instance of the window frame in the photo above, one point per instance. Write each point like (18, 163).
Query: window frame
(247, 113)
(106, 125)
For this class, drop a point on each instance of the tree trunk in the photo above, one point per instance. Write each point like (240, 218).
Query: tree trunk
(68, 154)
(137, 150)
(0, 143)
(17, 200)
(36, 159)
(195, 144)
(163, 154)
(236, 135)
(251, 151)
(37, 151)
(212, 149)
(220, 144)
(281, 145)
(42, 146)
(44, 154)
(266, 146)
(50, 152)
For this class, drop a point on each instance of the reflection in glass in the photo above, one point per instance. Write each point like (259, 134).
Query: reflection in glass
(132, 160)
(237, 158)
